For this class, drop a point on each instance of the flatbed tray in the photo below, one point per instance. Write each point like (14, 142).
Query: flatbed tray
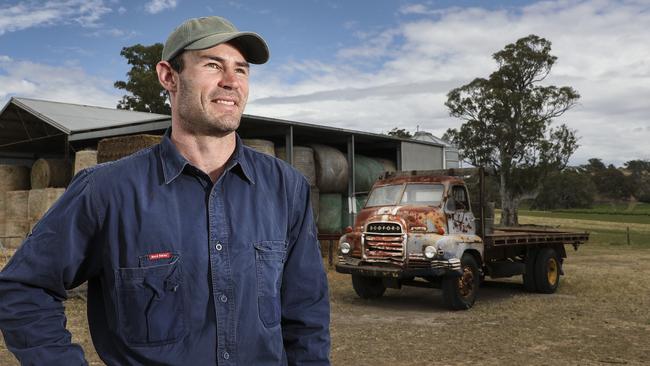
(526, 235)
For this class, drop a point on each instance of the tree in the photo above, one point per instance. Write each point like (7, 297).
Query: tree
(400, 132)
(610, 181)
(145, 92)
(639, 179)
(507, 121)
(569, 188)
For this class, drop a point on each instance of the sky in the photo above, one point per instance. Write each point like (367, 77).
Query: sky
(362, 65)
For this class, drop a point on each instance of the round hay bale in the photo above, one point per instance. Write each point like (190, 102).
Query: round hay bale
(303, 161)
(389, 165)
(17, 228)
(366, 171)
(263, 146)
(331, 169)
(329, 217)
(40, 200)
(115, 148)
(16, 205)
(51, 173)
(14, 178)
(84, 159)
(315, 199)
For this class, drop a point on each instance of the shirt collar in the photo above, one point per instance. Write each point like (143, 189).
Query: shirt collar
(173, 162)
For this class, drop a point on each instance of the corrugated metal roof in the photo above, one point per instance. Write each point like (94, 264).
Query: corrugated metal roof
(73, 118)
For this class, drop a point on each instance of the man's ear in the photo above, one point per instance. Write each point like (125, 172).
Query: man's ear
(167, 76)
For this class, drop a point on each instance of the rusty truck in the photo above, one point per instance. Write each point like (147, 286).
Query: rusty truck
(419, 228)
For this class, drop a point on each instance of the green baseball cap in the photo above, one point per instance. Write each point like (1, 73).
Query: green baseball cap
(206, 32)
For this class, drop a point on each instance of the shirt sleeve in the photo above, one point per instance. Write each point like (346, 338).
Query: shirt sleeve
(305, 296)
(57, 255)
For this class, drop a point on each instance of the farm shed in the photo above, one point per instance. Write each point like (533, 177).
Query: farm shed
(31, 129)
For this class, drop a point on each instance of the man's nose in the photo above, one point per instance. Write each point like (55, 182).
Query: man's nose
(229, 80)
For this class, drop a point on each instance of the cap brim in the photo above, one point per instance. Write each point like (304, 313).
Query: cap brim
(250, 44)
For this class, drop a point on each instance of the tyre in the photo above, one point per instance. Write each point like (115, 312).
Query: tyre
(547, 271)
(459, 292)
(529, 271)
(368, 287)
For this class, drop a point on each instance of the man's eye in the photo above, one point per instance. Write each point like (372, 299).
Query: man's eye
(212, 65)
(242, 71)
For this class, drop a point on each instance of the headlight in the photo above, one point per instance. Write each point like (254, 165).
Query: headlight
(429, 251)
(345, 248)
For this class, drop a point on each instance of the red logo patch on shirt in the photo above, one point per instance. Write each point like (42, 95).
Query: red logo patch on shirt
(163, 255)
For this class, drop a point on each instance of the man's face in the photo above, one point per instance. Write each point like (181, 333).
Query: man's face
(212, 90)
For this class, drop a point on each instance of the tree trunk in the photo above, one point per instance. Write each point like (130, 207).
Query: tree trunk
(509, 204)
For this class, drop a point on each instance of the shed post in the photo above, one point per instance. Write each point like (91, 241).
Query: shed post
(288, 145)
(352, 203)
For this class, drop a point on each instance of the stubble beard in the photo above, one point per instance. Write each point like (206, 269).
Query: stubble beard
(199, 121)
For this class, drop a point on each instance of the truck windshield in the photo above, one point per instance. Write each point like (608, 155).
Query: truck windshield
(412, 194)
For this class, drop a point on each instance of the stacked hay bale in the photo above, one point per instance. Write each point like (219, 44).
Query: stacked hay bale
(263, 146)
(115, 148)
(12, 178)
(16, 218)
(51, 173)
(84, 159)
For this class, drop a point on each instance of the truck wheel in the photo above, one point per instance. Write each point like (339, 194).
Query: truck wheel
(529, 271)
(368, 287)
(547, 271)
(459, 292)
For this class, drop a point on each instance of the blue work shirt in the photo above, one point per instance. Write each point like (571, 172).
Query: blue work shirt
(180, 271)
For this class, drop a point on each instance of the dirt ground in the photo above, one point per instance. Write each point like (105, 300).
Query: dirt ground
(599, 316)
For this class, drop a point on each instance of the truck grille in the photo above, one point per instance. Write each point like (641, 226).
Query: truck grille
(384, 242)
(384, 228)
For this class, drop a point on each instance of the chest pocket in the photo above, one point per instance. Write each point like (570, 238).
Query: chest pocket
(269, 262)
(150, 303)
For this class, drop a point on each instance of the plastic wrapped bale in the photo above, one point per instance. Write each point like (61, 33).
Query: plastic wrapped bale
(84, 159)
(389, 165)
(115, 148)
(263, 146)
(40, 200)
(315, 200)
(366, 172)
(346, 214)
(14, 178)
(51, 173)
(329, 217)
(303, 161)
(331, 169)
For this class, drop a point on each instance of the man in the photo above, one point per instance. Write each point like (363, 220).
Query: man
(197, 251)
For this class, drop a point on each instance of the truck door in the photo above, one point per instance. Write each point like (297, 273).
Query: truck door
(459, 215)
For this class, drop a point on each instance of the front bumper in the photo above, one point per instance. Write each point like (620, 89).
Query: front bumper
(438, 268)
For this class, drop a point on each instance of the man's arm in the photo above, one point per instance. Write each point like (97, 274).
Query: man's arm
(305, 297)
(54, 257)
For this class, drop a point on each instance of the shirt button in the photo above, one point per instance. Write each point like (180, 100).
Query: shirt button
(218, 246)
(223, 298)
(226, 356)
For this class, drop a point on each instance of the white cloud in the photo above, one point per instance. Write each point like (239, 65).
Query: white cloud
(156, 6)
(603, 48)
(27, 14)
(121, 10)
(68, 83)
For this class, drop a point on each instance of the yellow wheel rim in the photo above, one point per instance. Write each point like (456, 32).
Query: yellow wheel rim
(552, 272)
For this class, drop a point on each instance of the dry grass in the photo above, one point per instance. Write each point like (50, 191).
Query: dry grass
(599, 316)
